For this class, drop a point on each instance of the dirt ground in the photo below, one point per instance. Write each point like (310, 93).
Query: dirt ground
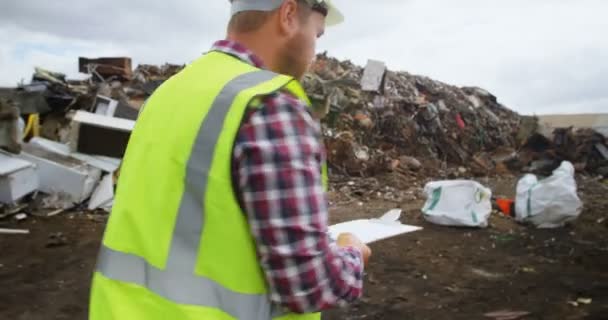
(436, 273)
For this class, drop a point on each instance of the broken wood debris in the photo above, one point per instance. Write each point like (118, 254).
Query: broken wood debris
(105, 68)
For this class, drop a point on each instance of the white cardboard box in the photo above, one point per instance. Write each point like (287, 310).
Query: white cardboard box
(18, 178)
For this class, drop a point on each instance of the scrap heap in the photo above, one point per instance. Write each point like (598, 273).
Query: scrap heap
(585, 148)
(112, 82)
(67, 137)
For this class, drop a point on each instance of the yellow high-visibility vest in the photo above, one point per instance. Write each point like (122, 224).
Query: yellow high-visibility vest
(177, 244)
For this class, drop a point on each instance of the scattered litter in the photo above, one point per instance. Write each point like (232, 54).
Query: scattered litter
(551, 202)
(528, 270)
(14, 231)
(56, 212)
(20, 216)
(504, 238)
(579, 301)
(486, 274)
(411, 162)
(12, 211)
(460, 203)
(507, 315)
(506, 206)
(453, 289)
(57, 201)
(57, 239)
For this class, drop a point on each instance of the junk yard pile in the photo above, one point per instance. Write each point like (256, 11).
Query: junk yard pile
(393, 139)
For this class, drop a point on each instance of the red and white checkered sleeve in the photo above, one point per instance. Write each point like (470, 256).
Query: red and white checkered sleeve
(277, 161)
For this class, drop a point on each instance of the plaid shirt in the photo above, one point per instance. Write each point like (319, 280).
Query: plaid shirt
(276, 168)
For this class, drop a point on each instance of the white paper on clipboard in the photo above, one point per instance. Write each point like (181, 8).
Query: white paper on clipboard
(372, 230)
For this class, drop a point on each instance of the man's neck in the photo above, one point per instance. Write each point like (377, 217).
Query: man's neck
(259, 46)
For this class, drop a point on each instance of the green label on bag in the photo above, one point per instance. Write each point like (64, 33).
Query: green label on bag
(529, 204)
(435, 197)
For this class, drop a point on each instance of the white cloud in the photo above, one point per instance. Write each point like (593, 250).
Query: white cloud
(535, 56)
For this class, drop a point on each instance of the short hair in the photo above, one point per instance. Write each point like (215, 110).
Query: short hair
(250, 21)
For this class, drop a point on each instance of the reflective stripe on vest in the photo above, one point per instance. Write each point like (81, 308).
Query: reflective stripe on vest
(177, 282)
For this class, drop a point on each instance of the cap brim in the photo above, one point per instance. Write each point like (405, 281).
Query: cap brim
(334, 16)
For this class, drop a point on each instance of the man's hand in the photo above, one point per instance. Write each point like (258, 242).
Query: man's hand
(350, 240)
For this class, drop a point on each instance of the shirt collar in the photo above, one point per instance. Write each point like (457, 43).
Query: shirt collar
(239, 51)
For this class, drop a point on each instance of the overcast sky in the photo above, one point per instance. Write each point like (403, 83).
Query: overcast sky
(536, 56)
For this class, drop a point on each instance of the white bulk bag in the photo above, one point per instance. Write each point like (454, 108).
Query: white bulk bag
(551, 202)
(461, 203)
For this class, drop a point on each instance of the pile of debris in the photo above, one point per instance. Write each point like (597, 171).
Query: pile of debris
(381, 121)
(585, 148)
(64, 139)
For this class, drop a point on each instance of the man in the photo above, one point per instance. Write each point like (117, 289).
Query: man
(220, 211)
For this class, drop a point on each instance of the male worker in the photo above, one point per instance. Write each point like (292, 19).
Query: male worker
(220, 211)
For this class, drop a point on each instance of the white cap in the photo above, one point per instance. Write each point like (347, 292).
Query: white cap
(334, 16)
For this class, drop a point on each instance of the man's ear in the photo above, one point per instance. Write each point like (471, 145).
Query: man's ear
(288, 17)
